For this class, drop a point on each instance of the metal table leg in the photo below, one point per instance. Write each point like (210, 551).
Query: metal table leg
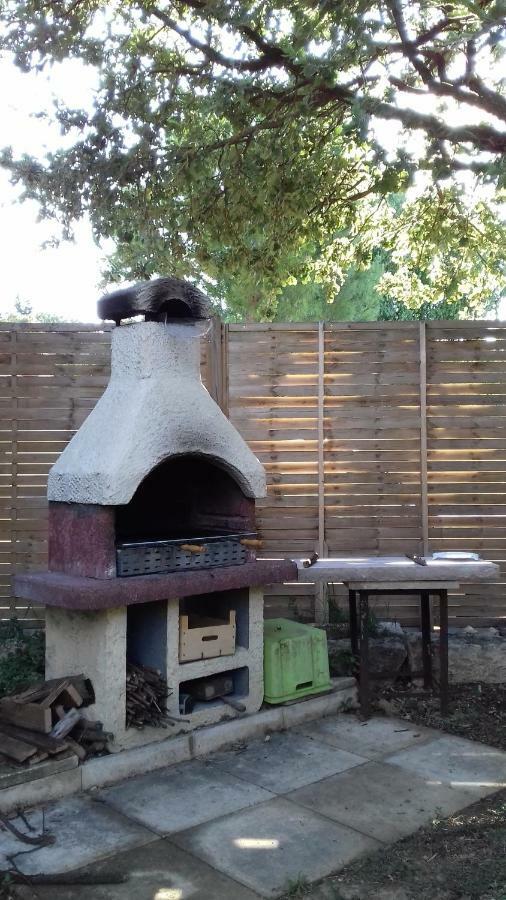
(443, 650)
(426, 645)
(352, 603)
(364, 653)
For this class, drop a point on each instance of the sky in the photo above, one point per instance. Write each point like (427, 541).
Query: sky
(63, 280)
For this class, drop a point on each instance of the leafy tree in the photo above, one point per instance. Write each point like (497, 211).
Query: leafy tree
(23, 312)
(235, 138)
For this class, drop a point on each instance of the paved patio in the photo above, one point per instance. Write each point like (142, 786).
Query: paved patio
(244, 823)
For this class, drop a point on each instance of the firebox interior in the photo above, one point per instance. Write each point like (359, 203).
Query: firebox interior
(185, 497)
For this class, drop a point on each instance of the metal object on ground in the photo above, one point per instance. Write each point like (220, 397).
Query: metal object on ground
(157, 557)
(186, 704)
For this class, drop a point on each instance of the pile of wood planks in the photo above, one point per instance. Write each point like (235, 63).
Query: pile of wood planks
(146, 693)
(47, 720)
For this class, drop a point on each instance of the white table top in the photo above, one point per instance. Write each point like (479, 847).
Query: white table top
(396, 569)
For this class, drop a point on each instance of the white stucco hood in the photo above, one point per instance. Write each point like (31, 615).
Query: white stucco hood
(154, 407)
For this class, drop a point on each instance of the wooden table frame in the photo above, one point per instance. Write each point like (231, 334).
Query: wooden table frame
(360, 637)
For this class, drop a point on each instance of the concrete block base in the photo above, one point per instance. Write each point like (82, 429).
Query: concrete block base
(98, 643)
(107, 770)
(93, 643)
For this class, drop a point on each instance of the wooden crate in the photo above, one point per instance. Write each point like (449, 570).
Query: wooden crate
(204, 637)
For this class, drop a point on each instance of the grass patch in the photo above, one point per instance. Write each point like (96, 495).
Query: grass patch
(298, 887)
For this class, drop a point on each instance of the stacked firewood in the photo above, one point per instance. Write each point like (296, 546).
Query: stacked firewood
(47, 719)
(146, 695)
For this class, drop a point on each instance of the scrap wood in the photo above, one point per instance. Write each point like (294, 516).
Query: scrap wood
(27, 715)
(39, 756)
(40, 741)
(45, 719)
(16, 749)
(66, 694)
(79, 683)
(76, 747)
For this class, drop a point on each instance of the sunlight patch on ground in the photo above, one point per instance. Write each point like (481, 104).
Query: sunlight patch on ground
(168, 894)
(256, 843)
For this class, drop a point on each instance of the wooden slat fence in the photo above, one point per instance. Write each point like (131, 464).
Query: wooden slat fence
(377, 438)
(414, 446)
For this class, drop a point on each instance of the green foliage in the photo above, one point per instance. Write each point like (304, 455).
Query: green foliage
(232, 142)
(298, 887)
(21, 656)
(342, 662)
(23, 312)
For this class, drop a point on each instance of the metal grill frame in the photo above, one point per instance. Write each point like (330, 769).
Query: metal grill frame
(160, 557)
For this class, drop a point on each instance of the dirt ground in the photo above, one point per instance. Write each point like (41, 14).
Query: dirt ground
(459, 858)
(477, 711)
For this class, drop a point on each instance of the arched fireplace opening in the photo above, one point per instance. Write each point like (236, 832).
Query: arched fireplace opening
(188, 513)
(185, 497)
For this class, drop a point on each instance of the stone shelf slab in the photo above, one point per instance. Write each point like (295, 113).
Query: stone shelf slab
(397, 569)
(73, 592)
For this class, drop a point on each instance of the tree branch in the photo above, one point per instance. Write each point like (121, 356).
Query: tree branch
(493, 103)
(245, 65)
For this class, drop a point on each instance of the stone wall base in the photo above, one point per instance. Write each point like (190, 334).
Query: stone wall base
(474, 654)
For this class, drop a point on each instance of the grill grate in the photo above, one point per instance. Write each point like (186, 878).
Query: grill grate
(158, 557)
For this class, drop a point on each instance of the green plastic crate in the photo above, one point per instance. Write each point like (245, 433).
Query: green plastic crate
(296, 660)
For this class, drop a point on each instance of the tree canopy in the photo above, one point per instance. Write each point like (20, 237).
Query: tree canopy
(248, 141)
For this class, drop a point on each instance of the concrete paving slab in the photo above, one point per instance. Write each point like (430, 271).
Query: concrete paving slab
(286, 762)
(379, 800)
(467, 765)
(267, 846)
(84, 831)
(159, 871)
(182, 796)
(373, 739)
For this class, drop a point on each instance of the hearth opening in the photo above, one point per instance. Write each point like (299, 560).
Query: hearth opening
(187, 513)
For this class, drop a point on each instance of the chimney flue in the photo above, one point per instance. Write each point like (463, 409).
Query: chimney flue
(159, 300)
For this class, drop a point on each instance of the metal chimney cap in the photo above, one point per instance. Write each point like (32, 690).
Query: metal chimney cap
(159, 300)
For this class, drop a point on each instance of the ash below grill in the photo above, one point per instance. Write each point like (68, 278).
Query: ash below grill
(158, 557)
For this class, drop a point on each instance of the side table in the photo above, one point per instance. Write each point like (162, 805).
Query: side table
(360, 637)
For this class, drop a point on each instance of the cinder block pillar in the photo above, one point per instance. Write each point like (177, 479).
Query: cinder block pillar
(256, 649)
(93, 643)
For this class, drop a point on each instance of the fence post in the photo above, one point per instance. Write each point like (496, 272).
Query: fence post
(14, 466)
(423, 438)
(321, 589)
(217, 364)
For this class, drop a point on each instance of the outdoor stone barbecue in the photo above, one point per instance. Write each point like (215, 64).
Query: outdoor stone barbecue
(152, 526)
